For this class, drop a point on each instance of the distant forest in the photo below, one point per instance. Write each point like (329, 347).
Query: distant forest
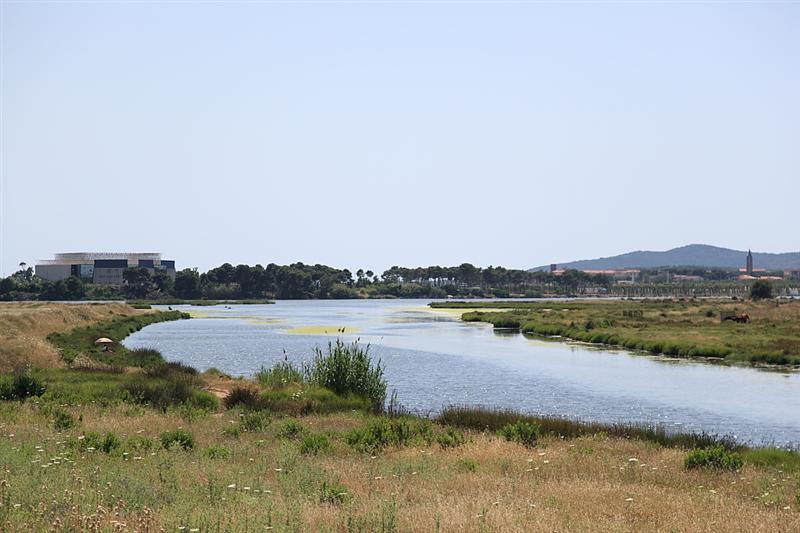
(301, 281)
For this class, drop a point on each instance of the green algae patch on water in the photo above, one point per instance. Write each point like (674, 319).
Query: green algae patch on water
(322, 330)
(264, 321)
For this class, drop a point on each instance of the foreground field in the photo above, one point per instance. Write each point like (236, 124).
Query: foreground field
(131, 443)
(262, 478)
(679, 328)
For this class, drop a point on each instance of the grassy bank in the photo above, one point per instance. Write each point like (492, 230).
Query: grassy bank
(149, 447)
(24, 327)
(199, 303)
(79, 343)
(679, 328)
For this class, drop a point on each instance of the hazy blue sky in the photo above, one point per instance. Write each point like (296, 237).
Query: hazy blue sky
(372, 134)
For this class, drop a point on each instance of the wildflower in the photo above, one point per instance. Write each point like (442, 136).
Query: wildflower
(628, 499)
(633, 460)
(232, 486)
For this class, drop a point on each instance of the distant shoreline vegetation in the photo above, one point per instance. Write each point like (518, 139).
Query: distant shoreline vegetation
(298, 281)
(686, 328)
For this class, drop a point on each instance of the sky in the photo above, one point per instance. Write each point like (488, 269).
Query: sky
(372, 134)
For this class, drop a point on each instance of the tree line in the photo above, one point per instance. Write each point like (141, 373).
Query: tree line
(301, 281)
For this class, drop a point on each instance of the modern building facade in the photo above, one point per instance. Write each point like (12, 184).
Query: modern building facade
(101, 267)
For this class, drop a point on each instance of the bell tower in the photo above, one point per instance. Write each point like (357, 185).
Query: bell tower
(749, 263)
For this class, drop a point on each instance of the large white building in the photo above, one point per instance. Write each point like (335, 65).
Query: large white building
(102, 268)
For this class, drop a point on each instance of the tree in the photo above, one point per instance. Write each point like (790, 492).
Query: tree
(761, 290)
(187, 284)
(138, 281)
(163, 282)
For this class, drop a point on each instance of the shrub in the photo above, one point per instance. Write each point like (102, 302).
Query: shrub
(382, 432)
(233, 432)
(332, 493)
(522, 432)
(93, 441)
(466, 465)
(450, 438)
(62, 420)
(217, 452)
(110, 443)
(177, 438)
(254, 421)
(205, 400)
(141, 444)
(506, 322)
(279, 375)
(313, 443)
(300, 400)
(291, 429)
(160, 394)
(715, 457)
(348, 369)
(243, 397)
(21, 386)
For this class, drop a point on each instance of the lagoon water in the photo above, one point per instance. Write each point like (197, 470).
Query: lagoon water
(434, 360)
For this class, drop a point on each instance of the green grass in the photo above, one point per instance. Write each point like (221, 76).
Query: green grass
(679, 328)
(81, 341)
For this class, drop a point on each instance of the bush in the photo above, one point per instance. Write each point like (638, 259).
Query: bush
(291, 429)
(93, 441)
(466, 465)
(280, 375)
(62, 420)
(382, 432)
(300, 400)
(160, 394)
(348, 369)
(141, 444)
(450, 438)
(177, 438)
(217, 452)
(255, 421)
(314, 443)
(332, 493)
(21, 386)
(715, 457)
(111, 443)
(243, 397)
(525, 433)
(205, 400)
(761, 290)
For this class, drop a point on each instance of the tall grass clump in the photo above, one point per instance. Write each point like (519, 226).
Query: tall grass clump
(348, 369)
(280, 375)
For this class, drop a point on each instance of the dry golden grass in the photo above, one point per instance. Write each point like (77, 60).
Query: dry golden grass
(24, 326)
(586, 484)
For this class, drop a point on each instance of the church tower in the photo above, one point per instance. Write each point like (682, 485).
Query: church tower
(749, 263)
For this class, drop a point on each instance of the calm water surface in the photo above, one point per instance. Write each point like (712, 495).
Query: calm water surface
(434, 360)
